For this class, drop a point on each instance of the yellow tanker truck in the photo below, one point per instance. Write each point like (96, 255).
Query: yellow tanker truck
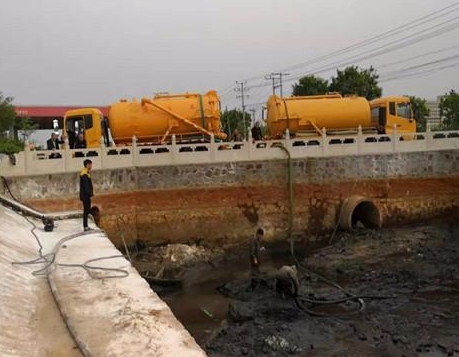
(188, 116)
(308, 115)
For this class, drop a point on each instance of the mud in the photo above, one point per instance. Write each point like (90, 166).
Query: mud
(415, 269)
(418, 267)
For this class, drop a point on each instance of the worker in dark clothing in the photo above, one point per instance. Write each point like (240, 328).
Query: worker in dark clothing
(256, 132)
(80, 142)
(86, 191)
(255, 248)
(287, 283)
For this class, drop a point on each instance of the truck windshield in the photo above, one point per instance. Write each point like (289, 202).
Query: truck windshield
(404, 110)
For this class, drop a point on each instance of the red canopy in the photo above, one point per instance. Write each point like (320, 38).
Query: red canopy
(51, 111)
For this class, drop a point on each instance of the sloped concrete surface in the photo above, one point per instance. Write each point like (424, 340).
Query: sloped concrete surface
(30, 322)
(107, 316)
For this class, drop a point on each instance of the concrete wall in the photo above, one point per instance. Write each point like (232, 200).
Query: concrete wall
(222, 202)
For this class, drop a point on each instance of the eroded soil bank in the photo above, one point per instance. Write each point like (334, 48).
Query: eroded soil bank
(415, 267)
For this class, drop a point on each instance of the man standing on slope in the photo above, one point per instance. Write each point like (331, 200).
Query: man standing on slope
(86, 191)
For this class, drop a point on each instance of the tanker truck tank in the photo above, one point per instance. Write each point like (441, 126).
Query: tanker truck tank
(156, 120)
(309, 114)
(188, 116)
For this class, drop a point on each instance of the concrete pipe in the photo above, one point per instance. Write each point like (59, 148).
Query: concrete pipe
(357, 209)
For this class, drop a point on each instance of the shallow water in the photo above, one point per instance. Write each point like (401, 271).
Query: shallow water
(200, 306)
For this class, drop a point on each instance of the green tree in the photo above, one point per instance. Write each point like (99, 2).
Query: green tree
(355, 81)
(449, 111)
(7, 114)
(420, 112)
(8, 122)
(233, 119)
(26, 126)
(310, 85)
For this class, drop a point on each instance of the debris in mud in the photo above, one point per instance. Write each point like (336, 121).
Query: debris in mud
(239, 312)
(167, 265)
(174, 254)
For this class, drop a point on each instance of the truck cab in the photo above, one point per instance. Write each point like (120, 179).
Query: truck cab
(393, 111)
(90, 122)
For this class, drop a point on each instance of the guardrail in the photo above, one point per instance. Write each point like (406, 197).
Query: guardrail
(50, 162)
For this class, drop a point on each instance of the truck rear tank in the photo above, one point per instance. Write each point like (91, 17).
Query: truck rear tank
(309, 114)
(185, 115)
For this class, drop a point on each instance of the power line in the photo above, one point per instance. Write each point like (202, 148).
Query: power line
(255, 104)
(276, 78)
(408, 71)
(420, 74)
(393, 45)
(422, 55)
(380, 37)
(397, 30)
(382, 49)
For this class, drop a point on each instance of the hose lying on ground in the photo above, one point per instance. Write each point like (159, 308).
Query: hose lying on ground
(300, 300)
(49, 259)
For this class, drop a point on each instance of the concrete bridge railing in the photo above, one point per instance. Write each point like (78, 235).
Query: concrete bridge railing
(40, 162)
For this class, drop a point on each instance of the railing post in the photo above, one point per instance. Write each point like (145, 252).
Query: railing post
(134, 153)
(359, 140)
(394, 138)
(324, 142)
(103, 153)
(212, 147)
(287, 134)
(27, 152)
(66, 155)
(429, 137)
(174, 149)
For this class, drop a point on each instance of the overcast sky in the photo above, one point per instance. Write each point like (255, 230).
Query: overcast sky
(94, 52)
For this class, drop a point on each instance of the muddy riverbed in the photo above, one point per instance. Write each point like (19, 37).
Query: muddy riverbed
(411, 274)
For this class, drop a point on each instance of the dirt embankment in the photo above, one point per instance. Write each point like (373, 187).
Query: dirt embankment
(417, 267)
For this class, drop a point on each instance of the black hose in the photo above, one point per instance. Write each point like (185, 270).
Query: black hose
(302, 300)
(5, 184)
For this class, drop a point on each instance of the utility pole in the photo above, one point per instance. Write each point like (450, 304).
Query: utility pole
(241, 88)
(276, 78)
(253, 116)
(273, 79)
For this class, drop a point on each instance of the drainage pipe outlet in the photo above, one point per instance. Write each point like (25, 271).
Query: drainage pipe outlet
(359, 210)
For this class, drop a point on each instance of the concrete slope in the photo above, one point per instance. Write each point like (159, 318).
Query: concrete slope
(107, 316)
(30, 322)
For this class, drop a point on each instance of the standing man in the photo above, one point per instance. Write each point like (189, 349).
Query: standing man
(255, 248)
(86, 191)
(256, 132)
(53, 144)
(80, 142)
